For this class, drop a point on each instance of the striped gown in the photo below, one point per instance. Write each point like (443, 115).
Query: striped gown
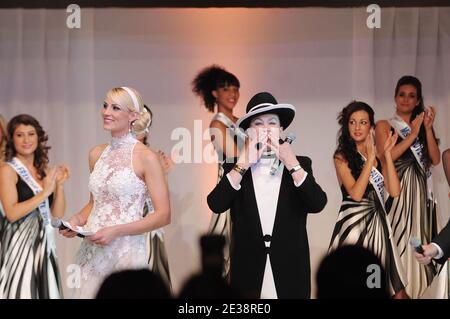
(412, 214)
(28, 263)
(157, 256)
(365, 224)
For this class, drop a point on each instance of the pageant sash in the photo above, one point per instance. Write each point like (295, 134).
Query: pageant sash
(404, 130)
(377, 181)
(156, 232)
(231, 125)
(22, 171)
(43, 208)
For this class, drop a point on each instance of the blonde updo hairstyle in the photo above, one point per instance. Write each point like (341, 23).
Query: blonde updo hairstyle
(122, 97)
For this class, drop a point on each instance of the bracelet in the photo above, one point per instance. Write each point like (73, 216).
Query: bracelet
(295, 168)
(239, 169)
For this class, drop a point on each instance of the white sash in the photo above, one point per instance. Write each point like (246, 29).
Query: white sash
(404, 130)
(377, 181)
(156, 232)
(44, 207)
(232, 126)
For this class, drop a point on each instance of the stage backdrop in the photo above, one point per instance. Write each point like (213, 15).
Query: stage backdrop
(318, 59)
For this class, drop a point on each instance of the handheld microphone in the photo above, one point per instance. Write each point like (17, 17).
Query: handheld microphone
(57, 223)
(416, 244)
(290, 137)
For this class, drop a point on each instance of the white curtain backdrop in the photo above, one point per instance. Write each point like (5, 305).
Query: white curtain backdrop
(318, 59)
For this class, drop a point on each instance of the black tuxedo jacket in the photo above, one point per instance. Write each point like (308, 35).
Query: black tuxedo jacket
(443, 240)
(289, 250)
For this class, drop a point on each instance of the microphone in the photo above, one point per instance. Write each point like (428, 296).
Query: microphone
(416, 244)
(58, 223)
(290, 137)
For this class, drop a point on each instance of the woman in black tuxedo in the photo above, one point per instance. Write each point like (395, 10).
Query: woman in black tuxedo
(269, 205)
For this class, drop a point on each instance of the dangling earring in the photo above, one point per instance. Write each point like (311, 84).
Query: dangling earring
(130, 128)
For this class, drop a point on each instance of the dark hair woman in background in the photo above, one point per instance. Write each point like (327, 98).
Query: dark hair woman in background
(413, 212)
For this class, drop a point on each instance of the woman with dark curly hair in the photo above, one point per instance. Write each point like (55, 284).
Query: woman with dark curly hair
(31, 194)
(218, 87)
(364, 178)
(413, 212)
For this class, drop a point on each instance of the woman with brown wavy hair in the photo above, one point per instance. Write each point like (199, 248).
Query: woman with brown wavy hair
(31, 193)
(367, 179)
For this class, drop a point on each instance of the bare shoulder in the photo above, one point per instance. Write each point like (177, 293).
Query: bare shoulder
(95, 152)
(6, 171)
(340, 160)
(339, 157)
(217, 129)
(217, 124)
(145, 154)
(382, 125)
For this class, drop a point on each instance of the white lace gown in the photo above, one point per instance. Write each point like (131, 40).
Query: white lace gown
(119, 198)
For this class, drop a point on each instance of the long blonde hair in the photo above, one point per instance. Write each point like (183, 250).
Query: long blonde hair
(3, 138)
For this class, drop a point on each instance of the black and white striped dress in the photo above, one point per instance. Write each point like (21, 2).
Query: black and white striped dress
(365, 224)
(28, 263)
(413, 214)
(157, 255)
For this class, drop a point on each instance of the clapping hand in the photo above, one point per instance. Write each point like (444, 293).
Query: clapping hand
(370, 148)
(416, 124)
(430, 114)
(50, 181)
(390, 143)
(62, 174)
(166, 162)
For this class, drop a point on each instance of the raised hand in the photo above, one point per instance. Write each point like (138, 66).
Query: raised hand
(416, 124)
(255, 145)
(283, 150)
(166, 162)
(430, 114)
(50, 181)
(62, 174)
(390, 142)
(370, 148)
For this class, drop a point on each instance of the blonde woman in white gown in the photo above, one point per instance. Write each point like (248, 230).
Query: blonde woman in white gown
(123, 174)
